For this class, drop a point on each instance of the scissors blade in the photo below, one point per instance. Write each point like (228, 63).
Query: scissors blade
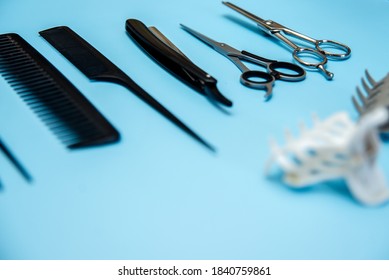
(212, 43)
(251, 16)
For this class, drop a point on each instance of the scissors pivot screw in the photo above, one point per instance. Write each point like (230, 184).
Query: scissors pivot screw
(281, 32)
(276, 70)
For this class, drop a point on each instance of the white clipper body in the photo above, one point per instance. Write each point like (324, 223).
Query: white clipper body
(336, 148)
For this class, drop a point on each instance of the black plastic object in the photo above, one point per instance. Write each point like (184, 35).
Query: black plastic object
(297, 73)
(97, 67)
(59, 104)
(175, 62)
(15, 162)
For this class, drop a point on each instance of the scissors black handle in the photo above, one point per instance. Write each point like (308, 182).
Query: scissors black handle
(280, 70)
(258, 80)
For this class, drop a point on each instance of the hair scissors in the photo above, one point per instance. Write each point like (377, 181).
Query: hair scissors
(277, 30)
(252, 78)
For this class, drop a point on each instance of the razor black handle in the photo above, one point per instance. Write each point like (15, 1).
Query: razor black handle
(174, 62)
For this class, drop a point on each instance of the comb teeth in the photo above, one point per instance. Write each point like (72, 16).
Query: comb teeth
(376, 95)
(67, 113)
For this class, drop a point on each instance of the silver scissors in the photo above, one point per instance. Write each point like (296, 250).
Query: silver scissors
(252, 78)
(277, 30)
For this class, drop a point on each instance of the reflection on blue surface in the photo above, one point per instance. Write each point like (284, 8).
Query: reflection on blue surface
(158, 194)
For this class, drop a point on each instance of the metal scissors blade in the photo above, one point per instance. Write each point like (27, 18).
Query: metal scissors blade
(251, 16)
(249, 78)
(270, 27)
(222, 48)
(301, 52)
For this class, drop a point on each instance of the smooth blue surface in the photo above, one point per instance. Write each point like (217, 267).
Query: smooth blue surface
(158, 194)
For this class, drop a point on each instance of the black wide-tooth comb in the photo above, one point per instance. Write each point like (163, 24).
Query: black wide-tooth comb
(97, 67)
(59, 104)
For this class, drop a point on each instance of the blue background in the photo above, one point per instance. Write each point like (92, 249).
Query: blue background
(160, 195)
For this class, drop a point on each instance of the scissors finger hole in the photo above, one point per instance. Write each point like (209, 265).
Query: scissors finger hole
(333, 49)
(256, 79)
(309, 57)
(286, 70)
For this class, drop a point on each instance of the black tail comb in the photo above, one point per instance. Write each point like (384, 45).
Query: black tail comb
(98, 68)
(59, 104)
